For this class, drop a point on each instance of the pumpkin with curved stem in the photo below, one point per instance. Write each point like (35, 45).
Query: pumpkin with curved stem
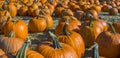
(25, 52)
(109, 43)
(73, 39)
(2, 54)
(56, 49)
(10, 45)
(74, 24)
(37, 24)
(89, 30)
(19, 28)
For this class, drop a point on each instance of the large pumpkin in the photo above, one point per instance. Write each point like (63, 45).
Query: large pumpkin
(37, 24)
(109, 44)
(73, 39)
(19, 28)
(56, 49)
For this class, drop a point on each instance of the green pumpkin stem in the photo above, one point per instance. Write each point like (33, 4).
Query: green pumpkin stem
(65, 31)
(113, 29)
(22, 52)
(91, 20)
(56, 43)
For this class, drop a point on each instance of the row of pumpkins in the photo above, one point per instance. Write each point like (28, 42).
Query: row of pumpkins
(70, 37)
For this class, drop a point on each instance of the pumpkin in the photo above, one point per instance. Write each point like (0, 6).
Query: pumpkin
(23, 11)
(2, 54)
(19, 28)
(92, 13)
(50, 7)
(11, 8)
(85, 7)
(106, 8)
(117, 26)
(73, 39)
(37, 24)
(73, 6)
(58, 10)
(32, 8)
(29, 3)
(25, 52)
(56, 49)
(1, 3)
(53, 2)
(66, 12)
(79, 14)
(113, 11)
(109, 43)
(24, 1)
(74, 24)
(97, 8)
(89, 30)
(10, 45)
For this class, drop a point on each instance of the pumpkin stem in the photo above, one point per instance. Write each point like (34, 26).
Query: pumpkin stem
(113, 29)
(65, 31)
(56, 43)
(11, 34)
(91, 20)
(22, 52)
(7, 1)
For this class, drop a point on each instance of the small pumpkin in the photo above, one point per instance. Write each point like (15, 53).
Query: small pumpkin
(56, 49)
(23, 11)
(37, 24)
(97, 8)
(109, 43)
(58, 10)
(73, 39)
(113, 11)
(11, 8)
(106, 8)
(19, 28)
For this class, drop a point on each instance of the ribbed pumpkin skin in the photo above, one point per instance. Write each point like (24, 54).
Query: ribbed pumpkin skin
(2, 54)
(10, 45)
(19, 28)
(37, 25)
(90, 33)
(117, 26)
(49, 52)
(109, 44)
(49, 21)
(33, 54)
(75, 41)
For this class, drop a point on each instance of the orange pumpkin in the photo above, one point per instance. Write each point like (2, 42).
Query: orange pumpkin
(97, 8)
(74, 24)
(23, 11)
(19, 28)
(2, 54)
(11, 8)
(10, 45)
(73, 39)
(56, 49)
(117, 26)
(113, 11)
(37, 24)
(109, 43)
(89, 30)
(58, 10)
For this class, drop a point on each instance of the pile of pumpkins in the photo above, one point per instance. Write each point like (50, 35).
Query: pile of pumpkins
(78, 28)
